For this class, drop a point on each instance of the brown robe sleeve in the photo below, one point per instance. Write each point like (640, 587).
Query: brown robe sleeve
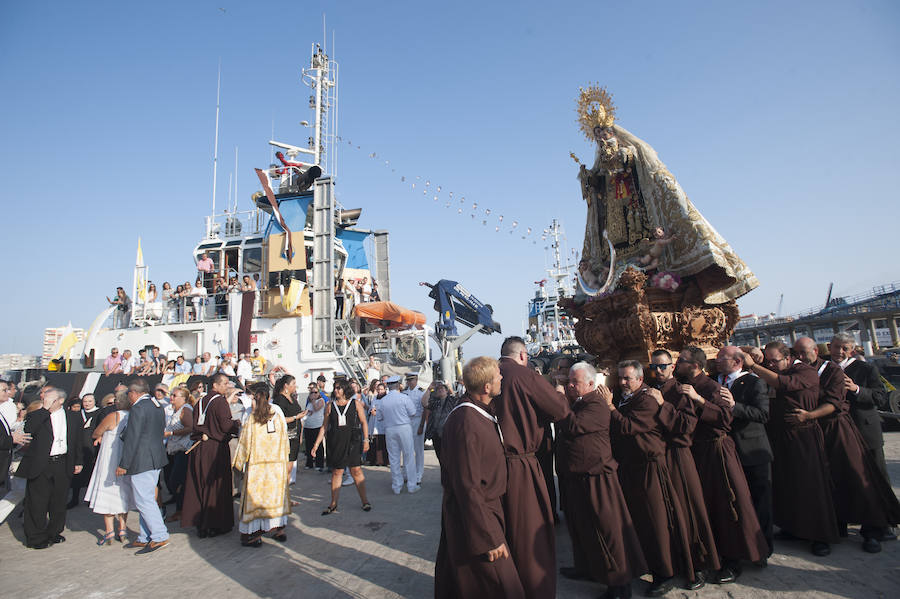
(717, 415)
(221, 427)
(588, 420)
(678, 417)
(483, 531)
(831, 386)
(641, 418)
(547, 399)
(798, 380)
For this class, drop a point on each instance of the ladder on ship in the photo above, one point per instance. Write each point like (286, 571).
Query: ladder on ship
(349, 350)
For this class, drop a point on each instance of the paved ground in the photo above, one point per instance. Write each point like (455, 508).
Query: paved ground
(387, 552)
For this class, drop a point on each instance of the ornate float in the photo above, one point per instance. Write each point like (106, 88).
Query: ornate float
(654, 273)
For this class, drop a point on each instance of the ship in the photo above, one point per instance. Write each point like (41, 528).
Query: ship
(297, 241)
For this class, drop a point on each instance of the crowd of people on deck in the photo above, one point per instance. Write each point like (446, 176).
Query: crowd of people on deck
(684, 473)
(207, 297)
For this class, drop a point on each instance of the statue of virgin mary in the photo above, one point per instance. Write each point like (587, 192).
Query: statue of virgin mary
(647, 217)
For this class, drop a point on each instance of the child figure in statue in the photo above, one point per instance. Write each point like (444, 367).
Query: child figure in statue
(650, 260)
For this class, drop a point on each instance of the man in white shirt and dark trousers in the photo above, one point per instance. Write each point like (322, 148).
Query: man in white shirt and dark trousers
(395, 417)
(51, 459)
(415, 394)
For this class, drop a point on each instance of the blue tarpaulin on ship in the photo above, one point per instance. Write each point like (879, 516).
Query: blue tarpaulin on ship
(356, 252)
(294, 212)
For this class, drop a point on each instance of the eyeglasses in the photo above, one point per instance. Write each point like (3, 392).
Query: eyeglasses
(658, 366)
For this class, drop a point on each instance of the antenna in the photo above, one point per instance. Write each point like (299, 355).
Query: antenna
(216, 145)
(828, 296)
(780, 304)
(235, 177)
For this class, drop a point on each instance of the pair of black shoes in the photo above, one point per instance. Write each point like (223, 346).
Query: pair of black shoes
(48, 542)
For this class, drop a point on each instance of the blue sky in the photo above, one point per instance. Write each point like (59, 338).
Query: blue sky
(778, 119)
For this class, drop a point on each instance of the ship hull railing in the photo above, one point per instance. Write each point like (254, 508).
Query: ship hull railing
(186, 310)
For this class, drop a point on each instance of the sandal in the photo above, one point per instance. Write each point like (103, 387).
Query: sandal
(106, 539)
(255, 543)
(280, 537)
(122, 536)
(294, 503)
(329, 510)
(367, 507)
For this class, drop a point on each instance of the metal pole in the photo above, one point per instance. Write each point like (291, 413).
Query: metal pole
(215, 148)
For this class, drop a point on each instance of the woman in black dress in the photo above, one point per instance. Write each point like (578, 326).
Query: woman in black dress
(283, 397)
(346, 436)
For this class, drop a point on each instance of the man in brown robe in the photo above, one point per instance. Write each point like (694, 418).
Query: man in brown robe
(728, 502)
(801, 482)
(526, 404)
(604, 543)
(748, 429)
(866, 395)
(207, 490)
(861, 492)
(679, 419)
(639, 446)
(473, 559)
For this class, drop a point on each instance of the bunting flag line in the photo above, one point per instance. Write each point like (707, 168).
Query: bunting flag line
(435, 191)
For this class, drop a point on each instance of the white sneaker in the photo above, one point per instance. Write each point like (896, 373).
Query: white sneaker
(397, 491)
(415, 489)
(348, 480)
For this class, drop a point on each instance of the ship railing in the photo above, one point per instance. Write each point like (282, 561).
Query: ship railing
(181, 311)
(237, 223)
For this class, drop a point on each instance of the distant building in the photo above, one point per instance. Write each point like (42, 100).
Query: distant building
(18, 362)
(51, 340)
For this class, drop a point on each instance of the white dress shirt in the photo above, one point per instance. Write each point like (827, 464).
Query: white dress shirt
(60, 428)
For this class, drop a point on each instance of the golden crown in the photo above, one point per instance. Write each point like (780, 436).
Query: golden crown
(595, 108)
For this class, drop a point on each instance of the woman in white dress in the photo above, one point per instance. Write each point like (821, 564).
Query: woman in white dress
(107, 493)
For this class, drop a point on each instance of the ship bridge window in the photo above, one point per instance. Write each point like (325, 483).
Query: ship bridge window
(233, 242)
(207, 246)
(252, 259)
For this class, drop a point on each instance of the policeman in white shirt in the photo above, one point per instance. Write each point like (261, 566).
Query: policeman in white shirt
(395, 416)
(415, 394)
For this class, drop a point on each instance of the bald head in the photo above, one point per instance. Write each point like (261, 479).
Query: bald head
(806, 350)
(729, 359)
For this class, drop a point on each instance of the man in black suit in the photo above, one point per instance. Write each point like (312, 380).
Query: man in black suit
(748, 429)
(48, 465)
